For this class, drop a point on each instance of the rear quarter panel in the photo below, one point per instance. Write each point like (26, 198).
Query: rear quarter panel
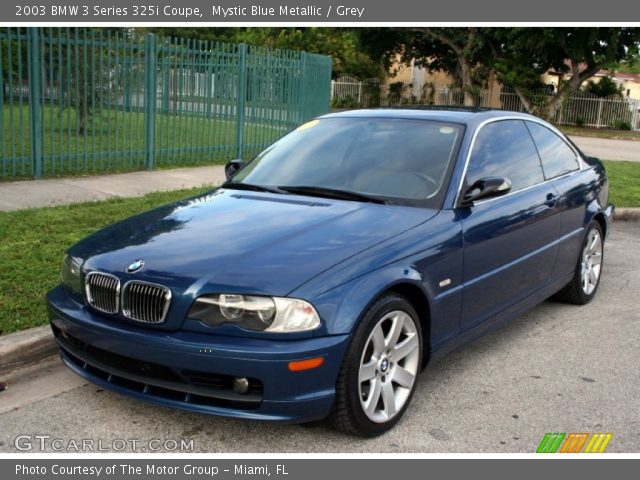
(582, 196)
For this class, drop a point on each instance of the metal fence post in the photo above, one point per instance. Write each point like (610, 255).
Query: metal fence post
(150, 102)
(35, 108)
(599, 121)
(303, 88)
(165, 87)
(241, 98)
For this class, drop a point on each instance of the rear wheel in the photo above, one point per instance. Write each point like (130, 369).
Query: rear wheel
(379, 372)
(584, 285)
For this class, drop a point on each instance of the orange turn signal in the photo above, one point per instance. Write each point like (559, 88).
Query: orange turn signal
(308, 364)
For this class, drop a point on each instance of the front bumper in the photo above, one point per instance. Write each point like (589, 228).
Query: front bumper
(193, 371)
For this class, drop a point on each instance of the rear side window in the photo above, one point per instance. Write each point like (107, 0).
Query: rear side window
(557, 157)
(505, 149)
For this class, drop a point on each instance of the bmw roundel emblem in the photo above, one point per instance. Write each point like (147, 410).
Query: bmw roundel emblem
(135, 266)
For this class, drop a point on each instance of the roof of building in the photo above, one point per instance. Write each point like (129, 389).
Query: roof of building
(628, 77)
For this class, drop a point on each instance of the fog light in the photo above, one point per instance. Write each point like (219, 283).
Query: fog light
(240, 385)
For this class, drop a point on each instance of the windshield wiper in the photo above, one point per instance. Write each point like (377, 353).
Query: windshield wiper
(330, 193)
(251, 186)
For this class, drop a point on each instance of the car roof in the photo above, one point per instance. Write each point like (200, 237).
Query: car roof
(463, 115)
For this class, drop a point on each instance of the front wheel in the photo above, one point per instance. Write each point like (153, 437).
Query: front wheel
(380, 369)
(586, 279)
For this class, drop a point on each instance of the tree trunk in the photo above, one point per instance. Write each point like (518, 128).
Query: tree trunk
(528, 105)
(467, 83)
(463, 52)
(565, 89)
(555, 103)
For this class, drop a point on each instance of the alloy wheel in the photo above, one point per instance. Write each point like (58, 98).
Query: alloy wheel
(591, 264)
(389, 366)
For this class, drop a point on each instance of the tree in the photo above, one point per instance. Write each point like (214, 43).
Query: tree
(632, 63)
(341, 43)
(460, 52)
(520, 55)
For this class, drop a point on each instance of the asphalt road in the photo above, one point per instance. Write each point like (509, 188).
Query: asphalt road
(608, 148)
(559, 368)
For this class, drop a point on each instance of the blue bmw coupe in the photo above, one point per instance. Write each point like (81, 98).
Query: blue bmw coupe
(322, 277)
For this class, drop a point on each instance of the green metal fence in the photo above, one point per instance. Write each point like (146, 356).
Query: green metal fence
(90, 100)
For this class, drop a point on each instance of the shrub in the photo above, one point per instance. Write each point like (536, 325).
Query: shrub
(621, 125)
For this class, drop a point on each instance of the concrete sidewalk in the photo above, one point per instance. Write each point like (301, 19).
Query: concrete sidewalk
(45, 193)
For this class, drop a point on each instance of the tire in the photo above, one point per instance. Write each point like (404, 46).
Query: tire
(381, 365)
(582, 288)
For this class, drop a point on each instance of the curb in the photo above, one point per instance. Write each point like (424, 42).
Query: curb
(25, 347)
(627, 214)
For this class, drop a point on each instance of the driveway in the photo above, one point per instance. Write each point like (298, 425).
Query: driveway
(609, 149)
(558, 368)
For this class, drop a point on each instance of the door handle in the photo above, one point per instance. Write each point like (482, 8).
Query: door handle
(552, 200)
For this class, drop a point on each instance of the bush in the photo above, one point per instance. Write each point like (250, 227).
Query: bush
(621, 125)
(580, 122)
(396, 93)
(346, 102)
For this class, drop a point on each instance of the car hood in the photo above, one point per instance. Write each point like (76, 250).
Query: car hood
(242, 241)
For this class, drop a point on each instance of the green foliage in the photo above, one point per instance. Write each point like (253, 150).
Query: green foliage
(606, 87)
(631, 64)
(621, 125)
(427, 48)
(522, 54)
(341, 43)
(518, 56)
(345, 103)
(396, 92)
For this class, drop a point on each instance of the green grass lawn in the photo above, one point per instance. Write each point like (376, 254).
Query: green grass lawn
(114, 141)
(33, 241)
(600, 133)
(624, 178)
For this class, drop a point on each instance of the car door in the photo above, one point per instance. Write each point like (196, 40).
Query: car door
(561, 164)
(509, 241)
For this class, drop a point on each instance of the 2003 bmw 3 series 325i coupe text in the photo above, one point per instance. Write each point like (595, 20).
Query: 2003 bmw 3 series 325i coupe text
(322, 276)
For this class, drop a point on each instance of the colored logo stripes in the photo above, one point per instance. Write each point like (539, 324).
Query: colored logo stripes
(574, 443)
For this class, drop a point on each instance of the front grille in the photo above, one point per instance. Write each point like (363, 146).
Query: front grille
(145, 302)
(103, 292)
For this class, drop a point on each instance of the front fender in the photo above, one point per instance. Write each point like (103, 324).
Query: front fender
(434, 267)
(345, 304)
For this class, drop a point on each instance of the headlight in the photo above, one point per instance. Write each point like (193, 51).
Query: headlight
(70, 275)
(270, 314)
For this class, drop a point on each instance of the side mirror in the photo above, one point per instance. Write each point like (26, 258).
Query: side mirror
(487, 187)
(232, 167)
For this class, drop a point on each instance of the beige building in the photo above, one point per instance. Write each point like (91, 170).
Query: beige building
(420, 82)
(630, 82)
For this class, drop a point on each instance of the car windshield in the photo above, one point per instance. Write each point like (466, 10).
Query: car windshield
(382, 158)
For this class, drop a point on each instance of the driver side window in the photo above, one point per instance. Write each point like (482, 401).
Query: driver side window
(505, 149)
